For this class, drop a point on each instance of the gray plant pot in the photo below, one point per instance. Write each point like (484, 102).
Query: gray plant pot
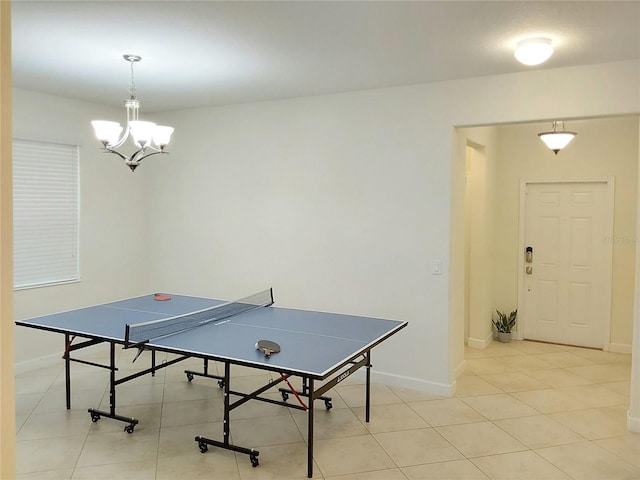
(504, 337)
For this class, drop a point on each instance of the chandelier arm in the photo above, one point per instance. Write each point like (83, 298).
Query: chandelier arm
(123, 157)
(130, 159)
(134, 160)
(138, 160)
(122, 139)
(155, 148)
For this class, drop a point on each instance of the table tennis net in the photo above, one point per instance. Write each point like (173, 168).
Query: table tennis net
(139, 333)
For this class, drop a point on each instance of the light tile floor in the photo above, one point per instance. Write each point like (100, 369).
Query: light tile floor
(522, 410)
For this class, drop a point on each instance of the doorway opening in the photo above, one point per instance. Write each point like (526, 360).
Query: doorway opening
(494, 250)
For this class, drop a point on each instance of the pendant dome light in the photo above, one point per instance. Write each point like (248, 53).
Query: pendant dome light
(557, 138)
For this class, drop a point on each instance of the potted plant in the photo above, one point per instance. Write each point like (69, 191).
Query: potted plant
(504, 324)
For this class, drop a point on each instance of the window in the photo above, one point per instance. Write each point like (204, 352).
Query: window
(45, 213)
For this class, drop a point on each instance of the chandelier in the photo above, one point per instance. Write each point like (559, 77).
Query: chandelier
(149, 138)
(556, 139)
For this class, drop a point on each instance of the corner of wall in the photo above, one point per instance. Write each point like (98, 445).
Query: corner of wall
(480, 342)
(619, 348)
(633, 423)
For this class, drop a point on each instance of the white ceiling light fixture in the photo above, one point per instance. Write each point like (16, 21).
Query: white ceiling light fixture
(533, 51)
(557, 138)
(149, 138)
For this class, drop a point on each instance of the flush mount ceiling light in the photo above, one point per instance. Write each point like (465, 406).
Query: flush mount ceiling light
(533, 51)
(557, 138)
(149, 138)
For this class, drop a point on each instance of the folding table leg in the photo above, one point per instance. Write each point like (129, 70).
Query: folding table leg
(310, 431)
(204, 442)
(67, 369)
(96, 414)
(368, 387)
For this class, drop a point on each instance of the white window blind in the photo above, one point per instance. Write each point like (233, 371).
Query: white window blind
(45, 213)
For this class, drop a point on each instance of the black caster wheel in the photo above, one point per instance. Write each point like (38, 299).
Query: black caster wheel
(129, 428)
(203, 447)
(254, 460)
(189, 376)
(328, 405)
(285, 396)
(95, 417)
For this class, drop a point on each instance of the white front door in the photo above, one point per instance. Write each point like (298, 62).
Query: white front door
(567, 279)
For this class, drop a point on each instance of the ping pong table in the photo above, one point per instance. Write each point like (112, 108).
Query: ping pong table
(320, 348)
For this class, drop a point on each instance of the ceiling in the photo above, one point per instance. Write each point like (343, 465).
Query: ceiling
(202, 53)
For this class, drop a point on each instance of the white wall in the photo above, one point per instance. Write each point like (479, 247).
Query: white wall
(335, 201)
(113, 219)
(340, 202)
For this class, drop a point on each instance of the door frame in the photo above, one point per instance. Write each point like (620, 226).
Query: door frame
(610, 186)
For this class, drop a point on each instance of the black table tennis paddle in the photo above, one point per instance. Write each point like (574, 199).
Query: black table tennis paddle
(267, 347)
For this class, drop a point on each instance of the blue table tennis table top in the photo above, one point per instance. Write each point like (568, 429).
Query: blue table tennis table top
(312, 343)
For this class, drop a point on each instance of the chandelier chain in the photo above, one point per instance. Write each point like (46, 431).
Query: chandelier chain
(132, 90)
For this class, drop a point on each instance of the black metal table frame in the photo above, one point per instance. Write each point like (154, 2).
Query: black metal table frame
(336, 375)
(308, 390)
(96, 414)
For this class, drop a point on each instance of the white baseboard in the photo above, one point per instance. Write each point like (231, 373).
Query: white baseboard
(480, 342)
(485, 342)
(27, 366)
(432, 388)
(620, 348)
(459, 370)
(633, 423)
